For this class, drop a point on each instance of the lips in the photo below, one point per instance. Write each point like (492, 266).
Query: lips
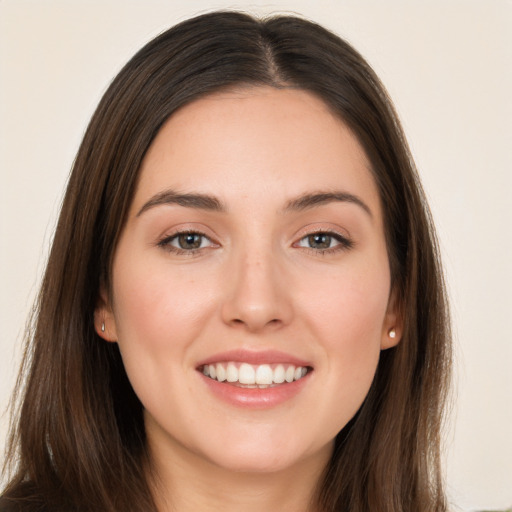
(256, 357)
(253, 379)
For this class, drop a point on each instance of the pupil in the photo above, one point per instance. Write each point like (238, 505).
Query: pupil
(320, 241)
(190, 241)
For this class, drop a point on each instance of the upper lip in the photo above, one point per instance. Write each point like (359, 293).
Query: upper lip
(255, 357)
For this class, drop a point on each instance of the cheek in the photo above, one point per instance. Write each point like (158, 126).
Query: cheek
(352, 335)
(153, 304)
(347, 318)
(350, 308)
(158, 315)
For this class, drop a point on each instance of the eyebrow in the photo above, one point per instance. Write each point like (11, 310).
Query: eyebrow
(308, 201)
(211, 203)
(200, 201)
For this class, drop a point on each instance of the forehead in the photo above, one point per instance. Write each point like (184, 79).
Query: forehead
(256, 143)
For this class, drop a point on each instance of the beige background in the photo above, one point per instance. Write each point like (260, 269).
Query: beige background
(447, 65)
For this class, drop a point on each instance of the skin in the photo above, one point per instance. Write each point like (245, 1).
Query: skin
(257, 283)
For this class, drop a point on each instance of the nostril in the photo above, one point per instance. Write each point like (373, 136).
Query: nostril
(250, 325)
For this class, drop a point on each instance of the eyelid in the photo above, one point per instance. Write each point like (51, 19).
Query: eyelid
(185, 228)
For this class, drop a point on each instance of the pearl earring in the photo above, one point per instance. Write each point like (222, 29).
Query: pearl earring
(392, 333)
(102, 326)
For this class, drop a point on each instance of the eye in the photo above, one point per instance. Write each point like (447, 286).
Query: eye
(318, 241)
(188, 241)
(324, 242)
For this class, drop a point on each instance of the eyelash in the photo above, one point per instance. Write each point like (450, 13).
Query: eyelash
(165, 243)
(343, 244)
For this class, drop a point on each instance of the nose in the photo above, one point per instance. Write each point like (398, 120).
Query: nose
(257, 296)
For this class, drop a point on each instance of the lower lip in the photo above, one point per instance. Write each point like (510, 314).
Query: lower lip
(255, 398)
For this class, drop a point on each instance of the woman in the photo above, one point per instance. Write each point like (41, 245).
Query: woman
(243, 306)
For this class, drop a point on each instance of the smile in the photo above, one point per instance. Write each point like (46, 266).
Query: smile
(254, 376)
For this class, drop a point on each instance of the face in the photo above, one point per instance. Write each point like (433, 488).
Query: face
(251, 283)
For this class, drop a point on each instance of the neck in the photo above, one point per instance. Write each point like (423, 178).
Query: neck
(183, 481)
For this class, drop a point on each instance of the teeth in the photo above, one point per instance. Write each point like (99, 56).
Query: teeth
(246, 374)
(231, 373)
(279, 374)
(262, 375)
(221, 373)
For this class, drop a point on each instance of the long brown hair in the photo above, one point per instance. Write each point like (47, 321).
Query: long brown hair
(78, 439)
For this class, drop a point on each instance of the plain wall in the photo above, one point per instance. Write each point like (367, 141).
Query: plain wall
(447, 65)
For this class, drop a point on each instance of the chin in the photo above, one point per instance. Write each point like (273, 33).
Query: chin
(255, 455)
(256, 463)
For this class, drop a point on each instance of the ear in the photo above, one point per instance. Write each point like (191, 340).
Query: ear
(392, 327)
(104, 321)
